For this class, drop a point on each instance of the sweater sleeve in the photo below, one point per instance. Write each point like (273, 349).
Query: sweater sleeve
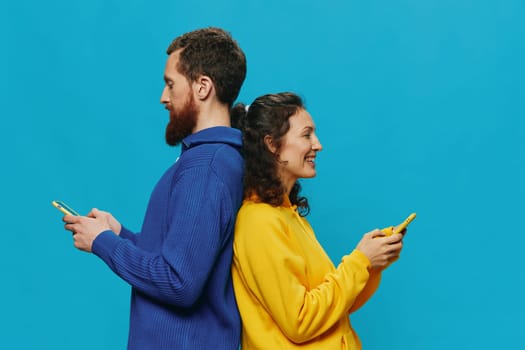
(198, 212)
(368, 291)
(272, 267)
(127, 234)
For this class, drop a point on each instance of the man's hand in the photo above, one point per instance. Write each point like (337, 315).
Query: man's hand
(114, 225)
(86, 228)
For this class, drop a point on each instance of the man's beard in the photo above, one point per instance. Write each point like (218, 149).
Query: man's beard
(182, 123)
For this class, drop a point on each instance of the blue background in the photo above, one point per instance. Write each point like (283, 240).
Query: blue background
(419, 105)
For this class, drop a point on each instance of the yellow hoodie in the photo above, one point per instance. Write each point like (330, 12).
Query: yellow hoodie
(289, 293)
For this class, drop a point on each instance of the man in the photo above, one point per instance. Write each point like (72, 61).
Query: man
(179, 264)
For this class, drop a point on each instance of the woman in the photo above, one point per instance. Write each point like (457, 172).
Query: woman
(288, 291)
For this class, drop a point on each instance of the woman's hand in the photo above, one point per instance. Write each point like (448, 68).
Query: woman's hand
(380, 250)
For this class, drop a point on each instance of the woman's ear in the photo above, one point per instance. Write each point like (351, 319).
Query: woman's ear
(203, 87)
(268, 141)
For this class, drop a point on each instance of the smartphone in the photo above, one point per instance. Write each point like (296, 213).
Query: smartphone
(405, 223)
(396, 229)
(64, 208)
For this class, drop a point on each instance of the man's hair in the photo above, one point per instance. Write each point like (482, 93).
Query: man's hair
(214, 53)
(267, 115)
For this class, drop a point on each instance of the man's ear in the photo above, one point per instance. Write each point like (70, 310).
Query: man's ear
(268, 141)
(203, 87)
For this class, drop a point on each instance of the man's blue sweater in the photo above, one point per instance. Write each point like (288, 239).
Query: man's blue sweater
(179, 264)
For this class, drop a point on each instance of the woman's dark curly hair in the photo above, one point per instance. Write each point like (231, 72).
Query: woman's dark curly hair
(267, 115)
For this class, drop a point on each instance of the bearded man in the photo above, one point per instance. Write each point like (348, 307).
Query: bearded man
(179, 265)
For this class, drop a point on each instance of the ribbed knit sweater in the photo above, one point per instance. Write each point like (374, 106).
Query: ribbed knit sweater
(179, 264)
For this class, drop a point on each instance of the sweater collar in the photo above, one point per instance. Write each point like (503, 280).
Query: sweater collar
(216, 134)
(285, 204)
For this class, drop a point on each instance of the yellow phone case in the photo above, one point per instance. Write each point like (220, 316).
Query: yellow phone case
(388, 231)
